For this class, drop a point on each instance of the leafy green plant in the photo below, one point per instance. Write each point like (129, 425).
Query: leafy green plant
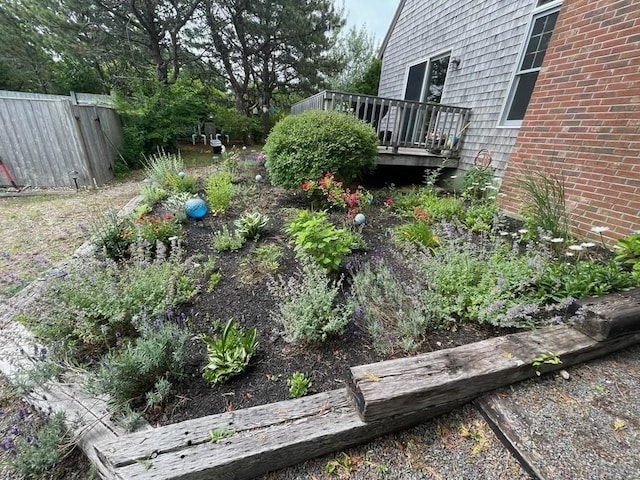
(477, 184)
(313, 235)
(229, 354)
(152, 229)
(141, 371)
(480, 217)
(545, 208)
(166, 171)
(262, 262)
(251, 225)
(309, 309)
(216, 435)
(153, 193)
(111, 234)
(583, 278)
(219, 191)
(485, 281)
(628, 249)
(418, 233)
(299, 385)
(305, 146)
(92, 309)
(225, 240)
(545, 358)
(174, 204)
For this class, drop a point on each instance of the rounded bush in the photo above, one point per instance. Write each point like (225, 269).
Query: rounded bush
(306, 146)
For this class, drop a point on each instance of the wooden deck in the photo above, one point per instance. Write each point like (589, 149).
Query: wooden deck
(414, 157)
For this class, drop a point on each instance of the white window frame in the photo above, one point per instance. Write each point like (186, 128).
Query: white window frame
(543, 9)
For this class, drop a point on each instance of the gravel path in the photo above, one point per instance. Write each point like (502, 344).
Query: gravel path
(457, 446)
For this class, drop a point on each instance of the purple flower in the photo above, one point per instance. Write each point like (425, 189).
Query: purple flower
(7, 443)
(14, 430)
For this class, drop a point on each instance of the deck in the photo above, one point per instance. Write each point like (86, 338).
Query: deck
(410, 133)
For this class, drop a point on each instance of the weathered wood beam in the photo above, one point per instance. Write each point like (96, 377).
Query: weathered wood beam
(261, 439)
(396, 387)
(611, 315)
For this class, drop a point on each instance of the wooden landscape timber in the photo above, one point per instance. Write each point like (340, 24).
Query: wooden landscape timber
(396, 387)
(611, 315)
(253, 441)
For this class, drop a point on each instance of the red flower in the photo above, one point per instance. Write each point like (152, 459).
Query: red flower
(388, 202)
(305, 185)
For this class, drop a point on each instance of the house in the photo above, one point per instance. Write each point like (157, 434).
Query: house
(553, 86)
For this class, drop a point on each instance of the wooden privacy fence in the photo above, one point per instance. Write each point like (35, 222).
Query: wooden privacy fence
(47, 140)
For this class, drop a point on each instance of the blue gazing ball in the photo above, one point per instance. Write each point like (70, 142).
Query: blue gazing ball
(195, 208)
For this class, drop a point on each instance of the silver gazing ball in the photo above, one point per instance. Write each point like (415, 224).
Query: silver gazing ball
(258, 178)
(181, 174)
(359, 219)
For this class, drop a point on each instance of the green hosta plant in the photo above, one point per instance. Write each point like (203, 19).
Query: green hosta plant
(299, 385)
(251, 225)
(229, 354)
(315, 236)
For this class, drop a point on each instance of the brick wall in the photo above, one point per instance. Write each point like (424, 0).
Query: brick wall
(583, 121)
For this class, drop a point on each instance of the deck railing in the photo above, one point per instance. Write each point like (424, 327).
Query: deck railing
(434, 127)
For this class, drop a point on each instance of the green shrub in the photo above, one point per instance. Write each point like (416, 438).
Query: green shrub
(483, 281)
(628, 250)
(299, 384)
(479, 217)
(166, 171)
(251, 225)
(110, 234)
(153, 193)
(228, 355)
(315, 236)
(219, 191)
(140, 372)
(438, 208)
(309, 309)
(306, 146)
(478, 184)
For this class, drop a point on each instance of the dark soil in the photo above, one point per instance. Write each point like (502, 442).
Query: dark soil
(251, 304)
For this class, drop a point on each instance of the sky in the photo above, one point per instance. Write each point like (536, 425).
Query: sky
(377, 14)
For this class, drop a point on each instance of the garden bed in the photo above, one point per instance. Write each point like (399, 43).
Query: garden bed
(412, 280)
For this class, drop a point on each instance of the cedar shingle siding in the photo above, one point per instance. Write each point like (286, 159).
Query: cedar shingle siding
(487, 36)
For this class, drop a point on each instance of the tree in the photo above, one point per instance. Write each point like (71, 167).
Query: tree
(356, 51)
(271, 46)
